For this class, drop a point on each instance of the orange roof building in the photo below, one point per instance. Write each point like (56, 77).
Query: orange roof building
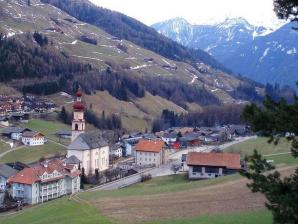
(154, 146)
(150, 152)
(211, 165)
(49, 180)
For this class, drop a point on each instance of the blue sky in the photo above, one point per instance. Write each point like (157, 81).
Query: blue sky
(257, 12)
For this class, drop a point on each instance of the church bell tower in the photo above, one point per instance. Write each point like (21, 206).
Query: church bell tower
(78, 122)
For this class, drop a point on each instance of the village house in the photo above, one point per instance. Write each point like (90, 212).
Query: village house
(151, 152)
(116, 150)
(14, 133)
(32, 138)
(47, 181)
(212, 165)
(91, 148)
(170, 137)
(5, 173)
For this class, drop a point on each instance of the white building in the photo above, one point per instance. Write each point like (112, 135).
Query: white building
(33, 138)
(89, 148)
(45, 182)
(116, 150)
(151, 152)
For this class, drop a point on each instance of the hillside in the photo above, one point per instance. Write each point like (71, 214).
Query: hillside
(76, 53)
(259, 53)
(125, 27)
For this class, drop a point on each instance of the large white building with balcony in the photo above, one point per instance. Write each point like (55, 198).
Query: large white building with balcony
(50, 180)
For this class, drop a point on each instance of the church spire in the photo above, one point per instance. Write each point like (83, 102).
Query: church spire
(78, 122)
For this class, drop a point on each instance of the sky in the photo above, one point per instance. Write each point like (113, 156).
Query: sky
(257, 12)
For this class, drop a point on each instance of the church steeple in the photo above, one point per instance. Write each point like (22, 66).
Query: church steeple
(78, 122)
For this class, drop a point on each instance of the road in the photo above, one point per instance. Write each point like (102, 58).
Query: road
(11, 150)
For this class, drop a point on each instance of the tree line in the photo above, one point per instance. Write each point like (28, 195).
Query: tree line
(209, 116)
(111, 122)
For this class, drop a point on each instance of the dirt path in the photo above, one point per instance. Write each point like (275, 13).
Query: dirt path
(232, 196)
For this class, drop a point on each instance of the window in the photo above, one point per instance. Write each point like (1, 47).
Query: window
(197, 169)
(211, 170)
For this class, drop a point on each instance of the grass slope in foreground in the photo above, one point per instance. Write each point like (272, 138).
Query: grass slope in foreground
(59, 211)
(262, 216)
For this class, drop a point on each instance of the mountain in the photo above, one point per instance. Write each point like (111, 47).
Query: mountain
(44, 50)
(125, 27)
(259, 53)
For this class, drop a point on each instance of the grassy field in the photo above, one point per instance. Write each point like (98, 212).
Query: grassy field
(86, 207)
(262, 145)
(262, 216)
(48, 128)
(60, 211)
(158, 185)
(3, 147)
(32, 154)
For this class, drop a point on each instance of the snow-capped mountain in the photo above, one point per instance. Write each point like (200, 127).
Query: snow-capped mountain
(263, 54)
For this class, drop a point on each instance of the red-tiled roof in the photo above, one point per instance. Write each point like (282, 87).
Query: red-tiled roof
(149, 145)
(32, 175)
(228, 160)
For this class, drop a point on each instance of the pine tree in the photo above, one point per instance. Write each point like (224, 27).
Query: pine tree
(63, 115)
(274, 119)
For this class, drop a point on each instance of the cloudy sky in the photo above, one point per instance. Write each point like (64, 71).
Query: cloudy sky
(257, 12)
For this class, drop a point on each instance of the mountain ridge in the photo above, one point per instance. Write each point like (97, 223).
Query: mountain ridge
(233, 43)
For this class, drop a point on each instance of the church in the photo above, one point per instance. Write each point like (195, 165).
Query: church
(91, 148)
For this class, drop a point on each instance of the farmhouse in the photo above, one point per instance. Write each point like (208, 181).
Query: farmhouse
(14, 133)
(47, 181)
(212, 165)
(91, 148)
(151, 152)
(33, 138)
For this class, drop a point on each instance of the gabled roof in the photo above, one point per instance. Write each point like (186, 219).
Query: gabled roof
(149, 145)
(6, 171)
(190, 136)
(32, 174)
(31, 134)
(10, 130)
(228, 160)
(72, 160)
(170, 135)
(87, 141)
